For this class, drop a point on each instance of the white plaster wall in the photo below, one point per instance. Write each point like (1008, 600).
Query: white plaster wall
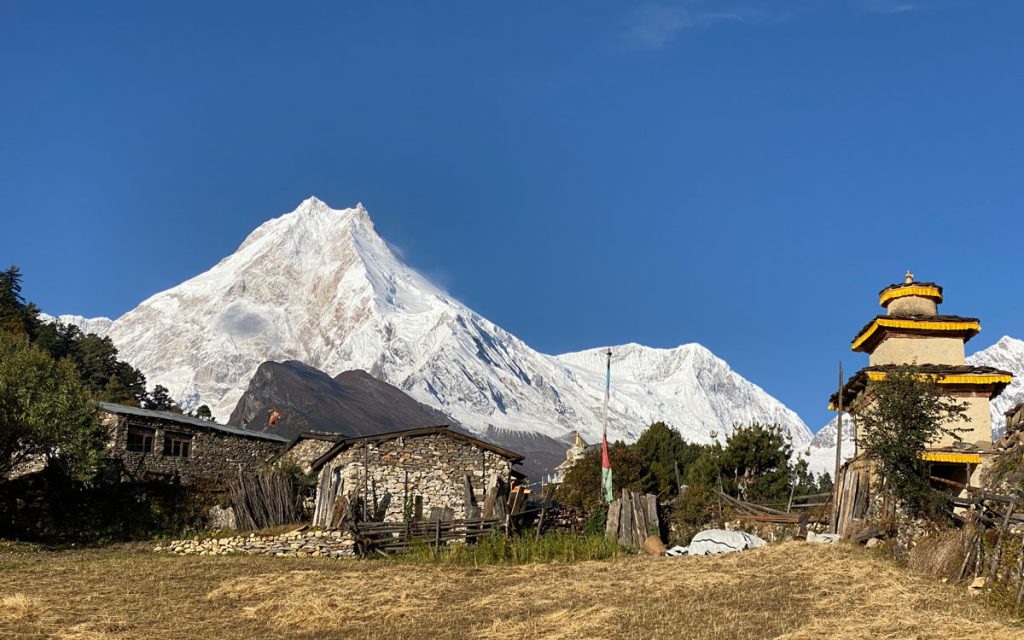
(907, 349)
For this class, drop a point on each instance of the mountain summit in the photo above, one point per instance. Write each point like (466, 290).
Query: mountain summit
(321, 287)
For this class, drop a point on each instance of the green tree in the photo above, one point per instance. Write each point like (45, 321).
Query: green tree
(203, 413)
(159, 399)
(582, 484)
(755, 463)
(906, 411)
(16, 316)
(46, 413)
(664, 450)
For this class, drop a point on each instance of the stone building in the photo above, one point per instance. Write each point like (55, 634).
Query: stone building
(160, 444)
(912, 332)
(308, 446)
(419, 470)
(573, 455)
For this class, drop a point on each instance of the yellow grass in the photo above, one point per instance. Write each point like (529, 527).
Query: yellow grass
(790, 591)
(19, 608)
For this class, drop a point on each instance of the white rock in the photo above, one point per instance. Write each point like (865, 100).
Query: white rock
(822, 538)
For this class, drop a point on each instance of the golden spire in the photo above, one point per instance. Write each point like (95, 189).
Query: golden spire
(579, 440)
(909, 278)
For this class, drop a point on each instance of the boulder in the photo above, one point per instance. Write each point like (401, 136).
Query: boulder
(822, 538)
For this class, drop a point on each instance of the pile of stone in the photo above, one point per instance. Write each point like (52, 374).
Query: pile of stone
(301, 542)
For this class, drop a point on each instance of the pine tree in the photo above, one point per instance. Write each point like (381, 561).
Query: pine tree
(159, 399)
(203, 413)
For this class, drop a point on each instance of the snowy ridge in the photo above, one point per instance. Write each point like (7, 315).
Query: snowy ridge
(1007, 354)
(320, 286)
(99, 326)
(821, 452)
(688, 387)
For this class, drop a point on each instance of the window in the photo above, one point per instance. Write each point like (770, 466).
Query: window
(140, 439)
(178, 445)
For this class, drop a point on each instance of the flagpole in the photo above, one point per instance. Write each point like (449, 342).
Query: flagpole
(606, 464)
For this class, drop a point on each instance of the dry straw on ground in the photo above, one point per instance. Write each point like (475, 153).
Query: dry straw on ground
(789, 591)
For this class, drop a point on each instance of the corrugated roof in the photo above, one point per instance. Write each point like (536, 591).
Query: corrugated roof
(169, 416)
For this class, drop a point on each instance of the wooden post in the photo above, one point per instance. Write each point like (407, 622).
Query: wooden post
(994, 567)
(545, 498)
(611, 526)
(839, 447)
(1020, 573)
(366, 477)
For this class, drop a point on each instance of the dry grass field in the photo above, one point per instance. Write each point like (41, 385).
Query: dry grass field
(792, 591)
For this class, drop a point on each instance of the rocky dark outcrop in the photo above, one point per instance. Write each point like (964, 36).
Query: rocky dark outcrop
(354, 403)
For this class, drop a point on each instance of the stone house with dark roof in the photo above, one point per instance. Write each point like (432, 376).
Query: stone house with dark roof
(414, 472)
(147, 445)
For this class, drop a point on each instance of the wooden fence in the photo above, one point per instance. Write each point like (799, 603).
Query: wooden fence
(751, 512)
(391, 537)
(632, 518)
(984, 511)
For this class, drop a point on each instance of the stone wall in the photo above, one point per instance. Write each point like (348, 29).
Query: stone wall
(305, 451)
(431, 467)
(1015, 418)
(315, 544)
(214, 456)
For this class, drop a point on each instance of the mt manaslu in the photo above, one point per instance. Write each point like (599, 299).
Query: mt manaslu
(320, 286)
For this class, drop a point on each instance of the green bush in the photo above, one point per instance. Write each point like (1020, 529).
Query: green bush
(694, 511)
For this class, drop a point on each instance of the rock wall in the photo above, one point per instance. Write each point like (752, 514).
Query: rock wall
(214, 456)
(316, 544)
(305, 451)
(431, 467)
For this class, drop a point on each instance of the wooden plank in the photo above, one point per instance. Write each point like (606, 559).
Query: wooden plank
(468, 487)
(626, 520)
(773, 518)
(489, 500)
(611, 527)
(639, 520)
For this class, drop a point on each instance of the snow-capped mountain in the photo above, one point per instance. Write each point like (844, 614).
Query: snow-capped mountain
(1008, 355)
(322, 287)
(821, 452)
(687, 387)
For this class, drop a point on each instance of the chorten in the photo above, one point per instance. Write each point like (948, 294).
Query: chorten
(573, 455)
(913, 332)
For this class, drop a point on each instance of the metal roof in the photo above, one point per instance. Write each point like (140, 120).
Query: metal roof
(169, 416)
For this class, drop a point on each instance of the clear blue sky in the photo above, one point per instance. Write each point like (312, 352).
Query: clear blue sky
(742, 174)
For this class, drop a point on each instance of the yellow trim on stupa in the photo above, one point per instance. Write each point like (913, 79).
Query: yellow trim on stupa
(949, 456)
(950, 378)
(928, 325)
(925, 291)
(942, 378)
